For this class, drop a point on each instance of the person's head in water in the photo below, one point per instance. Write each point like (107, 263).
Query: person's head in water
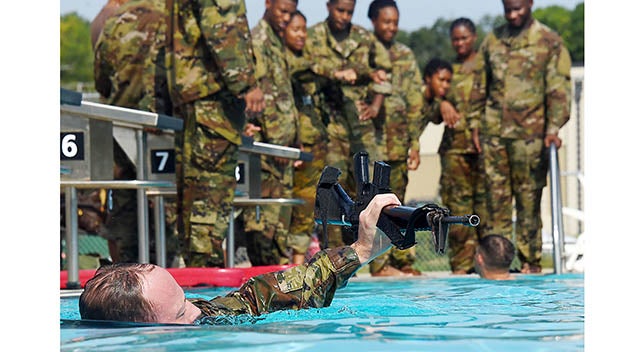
(143, 293)
(493, 257)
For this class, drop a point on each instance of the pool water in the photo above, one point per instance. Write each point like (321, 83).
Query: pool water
(531, 313)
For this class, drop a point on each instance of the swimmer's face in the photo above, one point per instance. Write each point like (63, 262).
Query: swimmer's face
(167, 298)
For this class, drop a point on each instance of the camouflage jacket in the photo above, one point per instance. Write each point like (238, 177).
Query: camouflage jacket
(429, 111)
(361, 51)
(308, 285)
(279, 121)
(465, 85)
(308, 88)
(528, 82)
(210, 54)
(129, 65)
(402, 108)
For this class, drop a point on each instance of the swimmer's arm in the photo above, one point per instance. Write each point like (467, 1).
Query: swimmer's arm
(312, 284)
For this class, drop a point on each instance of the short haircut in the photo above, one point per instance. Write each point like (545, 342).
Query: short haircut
(434, 65)
(335, 1)
(377, 5)
(116, 293)
(497, 251)
(299, 13)
(463, 21)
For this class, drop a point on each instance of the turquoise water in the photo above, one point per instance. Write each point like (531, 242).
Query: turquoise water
(532, 313)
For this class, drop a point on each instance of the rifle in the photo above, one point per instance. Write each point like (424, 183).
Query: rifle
(333, 206)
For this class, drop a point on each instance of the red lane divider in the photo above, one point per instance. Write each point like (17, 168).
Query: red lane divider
(193, 277)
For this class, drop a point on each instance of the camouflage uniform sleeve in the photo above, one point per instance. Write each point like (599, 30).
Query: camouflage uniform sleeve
(558, 90)
(304, 286)
(414, 99)
(381, 60)
(102, 70)
(155, 97)
(477, 99)
(225, 29)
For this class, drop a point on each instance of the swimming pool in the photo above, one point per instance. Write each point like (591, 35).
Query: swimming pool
(531, 313)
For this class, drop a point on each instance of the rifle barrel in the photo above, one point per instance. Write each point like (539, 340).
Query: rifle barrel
(467, 220)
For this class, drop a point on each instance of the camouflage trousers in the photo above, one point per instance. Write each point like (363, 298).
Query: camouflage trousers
(462, 192)
(206, 163)
(306, 178)
(339, 156)
(121, 228)
(266, 227)
(397, 258)
(515, 170)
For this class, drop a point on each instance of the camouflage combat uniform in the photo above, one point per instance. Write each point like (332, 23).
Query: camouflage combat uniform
(462, 189)
(267, 238)
(362, 52)
(211, 68)
(311, 104)
(528, 84)
(401, 110)
(304, 286)
(129, 71)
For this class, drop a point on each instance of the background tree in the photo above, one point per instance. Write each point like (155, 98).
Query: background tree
(76, 55)
(431, 42)
(569, 24)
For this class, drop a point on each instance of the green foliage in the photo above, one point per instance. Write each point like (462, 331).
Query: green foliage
(76, 55)
(427, 42)
(576, 39)
(568, 24)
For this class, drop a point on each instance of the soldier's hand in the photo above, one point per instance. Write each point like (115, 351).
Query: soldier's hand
(255, 103)
(378, 76)
(367, 112)
(250, 129)
(371, 241)
(153, 130)
(348, 75)
(413, 159)
(298, 163)
(552, 138)
(449, 114)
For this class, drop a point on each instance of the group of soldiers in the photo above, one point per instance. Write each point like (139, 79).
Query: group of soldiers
(332, 89)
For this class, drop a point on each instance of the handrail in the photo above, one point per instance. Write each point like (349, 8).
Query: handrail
(556, 211)
(250, 146)
(123, 116)
(117, 184)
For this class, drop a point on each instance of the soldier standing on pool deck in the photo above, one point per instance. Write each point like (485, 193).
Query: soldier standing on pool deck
(213, 87)
(528, 101)
(401, 108)
(267, 236)
(129, 71)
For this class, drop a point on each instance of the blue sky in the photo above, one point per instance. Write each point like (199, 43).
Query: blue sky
(414, 13)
